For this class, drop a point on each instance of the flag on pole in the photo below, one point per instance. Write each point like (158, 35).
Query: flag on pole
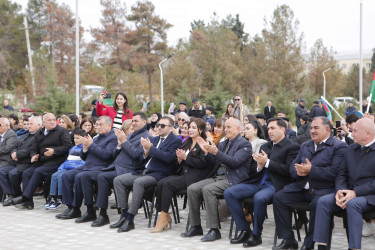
(327, 110)
(372, 89)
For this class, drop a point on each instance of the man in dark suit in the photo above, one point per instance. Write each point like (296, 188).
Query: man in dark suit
(8, 142)
(231, 163)
(317, 110)
(97, 154)
(21, 158)
(127, 154)
(158, 155)
(273, 161)
(50, 149)
(269, 111)
(355, 187)
(314, 171)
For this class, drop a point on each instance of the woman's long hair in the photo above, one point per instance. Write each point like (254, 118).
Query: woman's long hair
(259, 128)
(201, 125)
(126, 104)
(87, 119)
(68, 121)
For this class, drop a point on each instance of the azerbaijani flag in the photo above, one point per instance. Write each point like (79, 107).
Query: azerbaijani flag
(372, 89)
(327, 110)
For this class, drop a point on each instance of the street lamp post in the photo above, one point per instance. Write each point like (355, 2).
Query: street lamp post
(324, 78)
(162, 84)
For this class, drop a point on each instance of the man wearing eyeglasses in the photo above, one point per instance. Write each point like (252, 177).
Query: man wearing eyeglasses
(49, 150)
(157, 158)
(97, 154)
(240, 110)
(8, 142)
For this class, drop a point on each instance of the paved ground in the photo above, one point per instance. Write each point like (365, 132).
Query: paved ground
(38, 229)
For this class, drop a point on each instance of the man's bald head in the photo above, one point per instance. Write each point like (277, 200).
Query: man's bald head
(364, 131)
(232, 128)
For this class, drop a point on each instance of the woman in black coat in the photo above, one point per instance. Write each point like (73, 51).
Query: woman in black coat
(192, 167)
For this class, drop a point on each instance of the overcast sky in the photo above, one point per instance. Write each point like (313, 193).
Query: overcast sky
(337, 22)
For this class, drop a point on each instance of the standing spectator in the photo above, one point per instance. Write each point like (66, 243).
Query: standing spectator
(350, 109)
(182, 108)
(93, 106)
(154, 120)
(119, 112)
(262, 120)
(81, 116)
(348, 128)
(240, 110)
(197, 110)
(50, 149)
(300, 111)
(364, 107)
(303, 133)
(228, 112)
(316, 110)
(6, 106)
(209, 115)
(269, 110)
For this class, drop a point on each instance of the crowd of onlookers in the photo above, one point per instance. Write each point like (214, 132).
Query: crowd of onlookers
(230, 158)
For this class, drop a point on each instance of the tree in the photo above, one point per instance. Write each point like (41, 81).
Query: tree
(36, 16)
(236, 26)
(372, 70)
(114, 39)
(283, 48)
(13, 52)
(151, 38)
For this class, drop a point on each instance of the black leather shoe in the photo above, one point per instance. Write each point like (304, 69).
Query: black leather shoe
(212, 235)
(126, 227)
(287, 244)
(253, 241)
(26, 205)
(193, 231)
(100, 221)
(86, 217)
(71, 214)
(304, 247)
(8, 202)
(18, 200)
(58, 216)
(241, 238)
(118, 224)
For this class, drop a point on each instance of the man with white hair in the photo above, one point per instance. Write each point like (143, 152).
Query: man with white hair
(21, 159)
(231, 161)
(355, 185)
(49, 150)
(8, 141)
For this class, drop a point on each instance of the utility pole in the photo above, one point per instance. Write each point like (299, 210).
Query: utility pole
(29, 54)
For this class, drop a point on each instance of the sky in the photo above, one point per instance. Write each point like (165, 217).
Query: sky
(336, 22)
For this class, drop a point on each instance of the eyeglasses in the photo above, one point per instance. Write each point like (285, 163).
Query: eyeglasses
(180, 119)
(161, 125)
(237, 99)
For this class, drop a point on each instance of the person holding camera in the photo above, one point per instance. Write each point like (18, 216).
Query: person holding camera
(118, 113)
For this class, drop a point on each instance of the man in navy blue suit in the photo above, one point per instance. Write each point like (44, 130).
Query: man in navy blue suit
(355, 187)
(314, 171)
(158, 156)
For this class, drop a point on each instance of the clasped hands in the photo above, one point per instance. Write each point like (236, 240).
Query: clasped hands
(121, 137)
(206, 146)
(146, 144)
(261, 159)
(181, 155)
(343, 196)
(303, 169)
(87, 141)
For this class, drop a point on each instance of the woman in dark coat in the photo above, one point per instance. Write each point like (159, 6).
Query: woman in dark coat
(192, 168)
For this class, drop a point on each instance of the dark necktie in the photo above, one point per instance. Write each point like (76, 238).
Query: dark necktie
(161, 141)
(221, 170)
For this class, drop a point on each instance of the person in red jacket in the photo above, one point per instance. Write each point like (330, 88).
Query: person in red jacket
(119, 112)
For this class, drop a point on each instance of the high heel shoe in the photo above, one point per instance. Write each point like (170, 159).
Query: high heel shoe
(162, 223)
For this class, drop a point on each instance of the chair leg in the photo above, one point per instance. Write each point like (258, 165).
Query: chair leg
(145, 208)
(153, 204)
(176, 206)
(275, 238)
(185, 201)
(297, 229)
(330, 233)
(231, 228)
(173, 212)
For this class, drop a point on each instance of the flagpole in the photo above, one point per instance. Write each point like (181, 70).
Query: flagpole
(332, 107)
(360, 59)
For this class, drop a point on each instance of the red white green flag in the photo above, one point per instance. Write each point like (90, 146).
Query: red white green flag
(372, 89)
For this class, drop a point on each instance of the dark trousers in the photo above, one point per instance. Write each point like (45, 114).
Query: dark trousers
(166, 188)
(74, 178)
(33, 177)
(105, 183)
(15, 177)
(4, 180)
(354, 209)
(262, 194)
(283, 213)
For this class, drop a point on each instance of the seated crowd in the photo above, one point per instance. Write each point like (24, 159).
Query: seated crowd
(234, 157)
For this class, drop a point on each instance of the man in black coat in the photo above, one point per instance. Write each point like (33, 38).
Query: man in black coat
(50, 149)
(21, 158)
(355, 187)
(314, 171)
(269, 111)
(273, 161)
(197, 110)
(316, 110)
